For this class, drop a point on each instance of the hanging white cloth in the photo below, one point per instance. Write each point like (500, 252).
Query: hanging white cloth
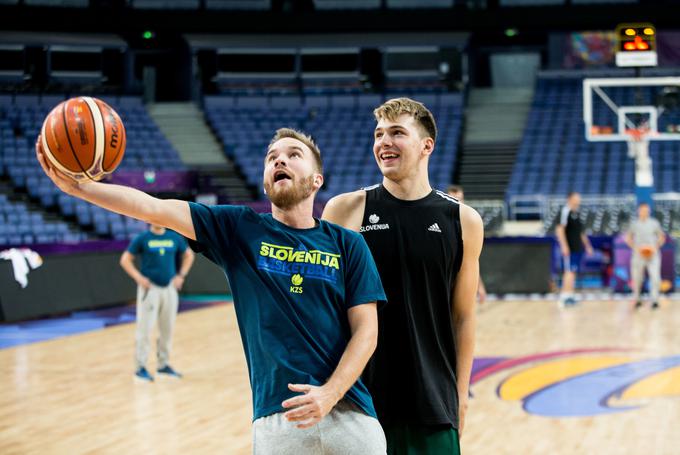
(23, 260)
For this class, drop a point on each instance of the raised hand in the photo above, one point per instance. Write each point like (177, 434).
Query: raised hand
(65, 183)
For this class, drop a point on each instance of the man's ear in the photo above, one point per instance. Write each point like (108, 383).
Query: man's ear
(318, 181)
(428, 146)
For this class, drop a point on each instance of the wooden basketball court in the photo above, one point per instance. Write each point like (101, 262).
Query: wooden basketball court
(597, 378)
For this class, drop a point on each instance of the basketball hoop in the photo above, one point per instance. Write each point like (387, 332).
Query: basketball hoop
(638, 143)
(637, 134)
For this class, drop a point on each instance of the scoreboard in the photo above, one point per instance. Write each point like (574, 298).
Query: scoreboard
(636, 45)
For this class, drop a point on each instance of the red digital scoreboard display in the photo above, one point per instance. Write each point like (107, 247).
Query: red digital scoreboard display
(636, 45)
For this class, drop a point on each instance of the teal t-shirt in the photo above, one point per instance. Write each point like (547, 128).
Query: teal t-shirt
(292, 289)
(158, 255)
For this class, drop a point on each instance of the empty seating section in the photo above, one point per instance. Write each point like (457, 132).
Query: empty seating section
(18, 226)
(342, 125)
(21, 117)
(104, 223)
(554, 156)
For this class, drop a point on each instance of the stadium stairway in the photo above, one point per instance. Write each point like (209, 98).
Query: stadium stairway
(494, 123)
(185, 127)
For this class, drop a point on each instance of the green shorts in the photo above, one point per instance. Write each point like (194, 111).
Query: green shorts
(421, 440)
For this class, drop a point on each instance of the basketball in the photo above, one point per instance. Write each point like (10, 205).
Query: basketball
(84, 138)
(646, 251)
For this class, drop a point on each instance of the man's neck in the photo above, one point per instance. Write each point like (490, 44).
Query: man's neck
(157, 231)
(300, 216)
(409, 188)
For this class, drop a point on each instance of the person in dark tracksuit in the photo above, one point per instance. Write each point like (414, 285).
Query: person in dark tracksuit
(426, 245)
(573, 242)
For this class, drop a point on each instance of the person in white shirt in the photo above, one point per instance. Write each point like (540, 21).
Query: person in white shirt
(645, 237)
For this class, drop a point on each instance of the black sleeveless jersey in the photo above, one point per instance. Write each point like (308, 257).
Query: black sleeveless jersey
(573, 228)
(418, 248)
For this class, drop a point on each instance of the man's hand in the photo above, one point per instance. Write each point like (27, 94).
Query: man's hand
(565, 251)
(144, 282)
(309, 408)
(178, 282)
(589, 250)
(462, 411)
(63, 181)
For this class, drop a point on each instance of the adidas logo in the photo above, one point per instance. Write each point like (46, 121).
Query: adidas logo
(434, 228)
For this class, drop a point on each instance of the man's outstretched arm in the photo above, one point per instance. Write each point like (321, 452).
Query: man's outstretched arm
(170, 213)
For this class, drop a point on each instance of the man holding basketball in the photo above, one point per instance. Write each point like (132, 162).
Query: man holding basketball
(305, 294)
(157, 284)
(427, 247)
(645, 237)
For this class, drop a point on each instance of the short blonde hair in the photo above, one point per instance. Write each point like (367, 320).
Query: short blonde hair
(282, 133)
(396, 107)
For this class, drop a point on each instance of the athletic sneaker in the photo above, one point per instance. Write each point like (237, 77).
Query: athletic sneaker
(142, 373)
(567, 302)
(167, 369)
(655, 305)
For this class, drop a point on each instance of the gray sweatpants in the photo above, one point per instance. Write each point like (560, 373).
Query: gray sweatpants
(346, 430)
(155, 304)
(638, 264)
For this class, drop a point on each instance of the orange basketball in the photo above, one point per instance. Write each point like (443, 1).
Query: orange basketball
(646, 251)
(84, 138)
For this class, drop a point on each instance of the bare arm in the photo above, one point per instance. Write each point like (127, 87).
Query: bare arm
(346, 209)
(171, 213)
(628, 238)
(187, 262)
(464, 321)
(317, 402)
(127, 262)
(562, 239)
(662, 239)
(586, 243)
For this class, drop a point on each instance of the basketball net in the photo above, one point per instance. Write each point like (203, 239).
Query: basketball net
(638, 149)
(637, 141)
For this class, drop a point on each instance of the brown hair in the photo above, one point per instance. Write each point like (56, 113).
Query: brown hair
(282, 133)
(394, 108)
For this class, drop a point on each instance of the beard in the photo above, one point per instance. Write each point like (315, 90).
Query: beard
(285, 198)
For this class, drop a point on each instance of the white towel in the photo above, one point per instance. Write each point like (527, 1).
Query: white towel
(21, 259)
